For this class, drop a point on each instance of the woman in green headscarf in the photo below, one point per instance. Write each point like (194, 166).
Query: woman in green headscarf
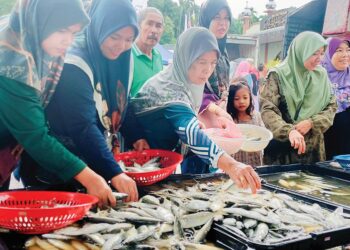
(297, 104)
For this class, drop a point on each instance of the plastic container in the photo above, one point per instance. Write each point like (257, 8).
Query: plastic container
(38, 212)
(169, 161)
(256, 137)
(230, 145)
(344, 161)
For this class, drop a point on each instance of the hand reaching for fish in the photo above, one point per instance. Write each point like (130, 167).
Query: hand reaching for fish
(97, 186)
(125, 184)
(243, 175)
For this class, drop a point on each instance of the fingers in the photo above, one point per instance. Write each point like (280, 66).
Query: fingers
(251, 182)
(256, 179)
(302, 147)
(132, 192)
(112, 201)
(246, 177)
(134, 195)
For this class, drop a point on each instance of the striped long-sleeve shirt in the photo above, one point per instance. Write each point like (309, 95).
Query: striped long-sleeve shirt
(164, 127)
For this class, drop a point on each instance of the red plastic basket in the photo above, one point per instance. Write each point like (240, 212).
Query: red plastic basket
(168, 159)
(38, 212)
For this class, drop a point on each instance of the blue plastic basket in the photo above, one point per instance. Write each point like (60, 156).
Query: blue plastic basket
(344, 161)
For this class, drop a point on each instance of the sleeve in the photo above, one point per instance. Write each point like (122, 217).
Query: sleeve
(74, 98)
(22, 114)
(185, 123)
(130, 128)
(270, 100)
(323, 120)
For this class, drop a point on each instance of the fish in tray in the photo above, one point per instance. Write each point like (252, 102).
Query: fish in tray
(180, 218)
(151, 165)
(311, 184)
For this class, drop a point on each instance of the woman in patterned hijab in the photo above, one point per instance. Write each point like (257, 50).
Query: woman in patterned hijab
(32, 49)
(90, 104)
(168, 104)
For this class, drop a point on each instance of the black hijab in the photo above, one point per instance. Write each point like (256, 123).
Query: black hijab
(111, 77)
(219, 80)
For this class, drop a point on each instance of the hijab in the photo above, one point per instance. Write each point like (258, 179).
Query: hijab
(30, 23)
(110, 77)
(219, 80)
(302, 87)
(243, 69)
(340, 79)
(171, 86)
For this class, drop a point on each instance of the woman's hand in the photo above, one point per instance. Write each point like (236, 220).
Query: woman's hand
(141, 145)
(218, 111)
(97, 186)
(297, 141)
(243, 175)
(303, 127)
(124, 184)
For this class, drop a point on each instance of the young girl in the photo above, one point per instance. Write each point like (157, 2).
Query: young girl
(240, 107)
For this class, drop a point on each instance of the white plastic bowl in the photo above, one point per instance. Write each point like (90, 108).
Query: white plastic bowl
(229, 145)
(256, 137)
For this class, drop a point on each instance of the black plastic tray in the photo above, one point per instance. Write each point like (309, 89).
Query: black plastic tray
(319, 240)
(225, 238)
(320, 168)
(326, 164)
(315, 169)
(230, 240)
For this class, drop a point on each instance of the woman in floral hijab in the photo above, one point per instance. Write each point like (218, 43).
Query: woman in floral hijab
(32, 50)
(91, 102)
(168, 104)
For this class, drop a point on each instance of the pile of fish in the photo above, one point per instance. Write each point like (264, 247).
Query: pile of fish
(180, 218)
(308, 183)
(151, 165)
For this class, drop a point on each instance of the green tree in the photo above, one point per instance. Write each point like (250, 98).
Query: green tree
(6, 6)
(236, 27)
(188, 11)
(168, 36)
(177, 13)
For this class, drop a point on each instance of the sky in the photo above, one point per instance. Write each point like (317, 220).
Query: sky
(237, 6)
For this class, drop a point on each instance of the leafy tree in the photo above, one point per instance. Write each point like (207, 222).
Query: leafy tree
(171, 10)
(6, 6)
(236, 27)
(168, 35)
(177, 14)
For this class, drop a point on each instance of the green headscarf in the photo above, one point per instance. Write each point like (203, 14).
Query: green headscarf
(306, 92)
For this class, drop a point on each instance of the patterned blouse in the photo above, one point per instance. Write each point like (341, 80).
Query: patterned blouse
(274, 113)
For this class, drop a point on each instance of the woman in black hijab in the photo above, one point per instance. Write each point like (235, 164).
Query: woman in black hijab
(216, 16)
